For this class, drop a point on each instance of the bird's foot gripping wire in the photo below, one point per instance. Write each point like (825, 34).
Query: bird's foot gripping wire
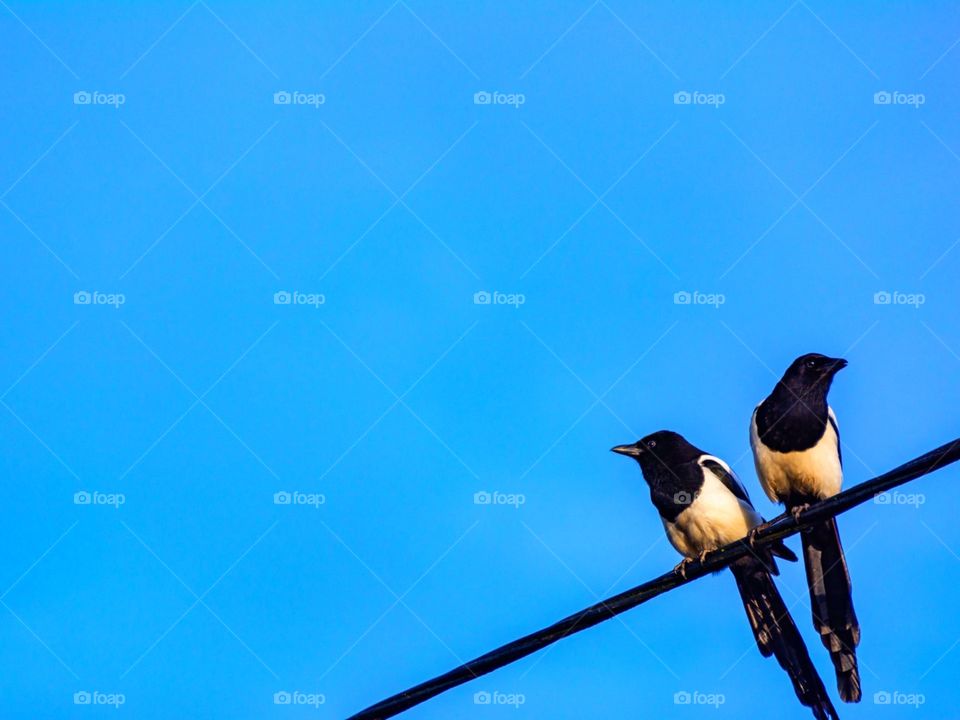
(798, 510)
(681, 567)
(752, 537)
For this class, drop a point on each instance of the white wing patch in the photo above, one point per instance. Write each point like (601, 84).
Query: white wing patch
(740, 489)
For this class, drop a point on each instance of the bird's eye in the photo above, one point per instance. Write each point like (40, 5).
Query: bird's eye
(811, 363)
(652, 444)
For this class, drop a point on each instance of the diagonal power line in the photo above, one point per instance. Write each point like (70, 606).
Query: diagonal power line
(768, 533)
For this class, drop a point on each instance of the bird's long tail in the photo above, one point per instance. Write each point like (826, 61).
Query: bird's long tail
(777, 635)
(832, 603)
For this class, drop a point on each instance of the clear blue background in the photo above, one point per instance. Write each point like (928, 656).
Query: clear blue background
(598, 199)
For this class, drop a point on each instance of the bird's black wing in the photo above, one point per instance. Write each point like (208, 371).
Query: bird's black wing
(833, 421)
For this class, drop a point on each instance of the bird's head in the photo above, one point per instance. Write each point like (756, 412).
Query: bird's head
(812, 371)
(662, 449)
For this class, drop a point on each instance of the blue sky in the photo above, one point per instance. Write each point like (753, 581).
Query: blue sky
(156, 198)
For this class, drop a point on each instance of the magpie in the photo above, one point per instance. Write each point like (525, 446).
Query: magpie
(703, 506)
(796, 449)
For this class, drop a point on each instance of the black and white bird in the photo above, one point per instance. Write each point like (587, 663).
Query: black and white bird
(796, 448)
(703, 506)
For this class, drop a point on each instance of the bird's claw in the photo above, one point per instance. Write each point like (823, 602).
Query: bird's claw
(798, 510)
(681, 568)
(752, 537)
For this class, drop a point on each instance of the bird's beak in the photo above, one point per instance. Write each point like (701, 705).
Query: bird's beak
(629, 450)
(837, 365)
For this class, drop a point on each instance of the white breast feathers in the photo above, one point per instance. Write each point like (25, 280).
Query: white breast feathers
(815, 472)
(715, 518)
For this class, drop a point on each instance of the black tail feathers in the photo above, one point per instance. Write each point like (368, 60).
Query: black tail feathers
(777, 635)
(832, 603)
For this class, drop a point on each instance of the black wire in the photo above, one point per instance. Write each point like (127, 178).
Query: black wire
(780, 527)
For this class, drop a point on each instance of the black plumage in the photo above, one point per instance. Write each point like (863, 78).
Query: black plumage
(703, 506)
(796, 446)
